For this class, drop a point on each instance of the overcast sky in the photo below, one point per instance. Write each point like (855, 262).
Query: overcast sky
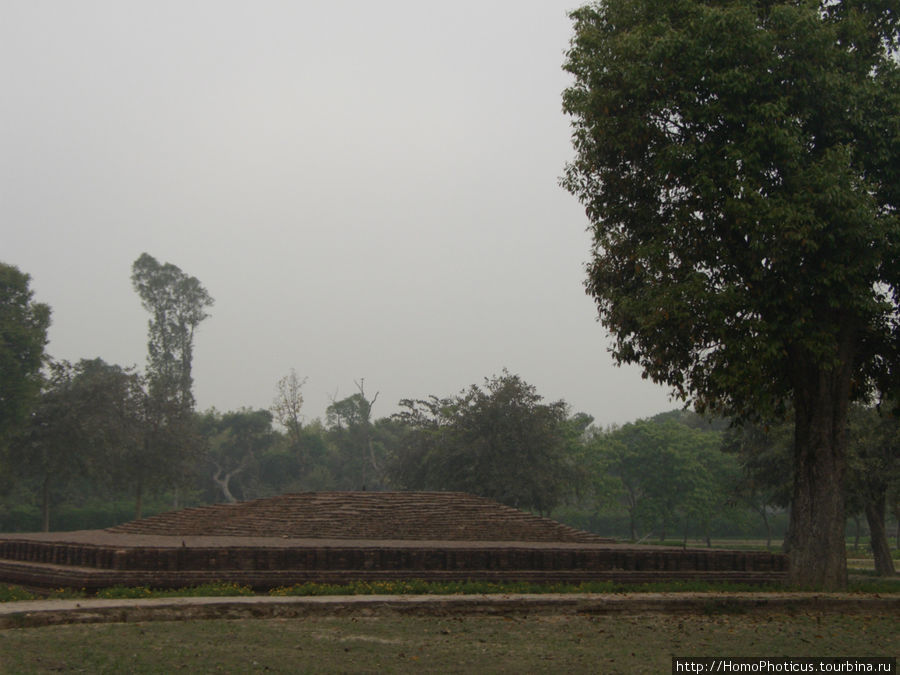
(367, 189)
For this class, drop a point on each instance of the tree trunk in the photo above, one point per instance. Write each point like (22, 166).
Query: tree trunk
(223, 484)
(765, 517)
(881, 548)
(375, 468)
(817, 549)
(786, 541)
(223, 480)
(856, 536)
(139, 499)
(45, 504)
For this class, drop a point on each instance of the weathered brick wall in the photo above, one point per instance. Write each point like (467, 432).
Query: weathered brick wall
(57, 576)
(410, 558)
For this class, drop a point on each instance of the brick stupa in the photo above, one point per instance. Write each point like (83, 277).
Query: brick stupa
(337, 537)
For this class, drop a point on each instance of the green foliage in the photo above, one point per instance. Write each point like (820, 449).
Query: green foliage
(498, 441)
(23, 336)
(873, 476)
(739, 164)
(177, 304)
(16, 515)
(234, 442)
(420, 587)
(95, 514)
(210, 590)
(9, 593)
(84, 506)
(664, 474)
(86, 422)
(765, 454)
(287, 405)
(357, 460)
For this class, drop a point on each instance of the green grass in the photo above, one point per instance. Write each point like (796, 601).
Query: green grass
(860, 583)
(389, 643)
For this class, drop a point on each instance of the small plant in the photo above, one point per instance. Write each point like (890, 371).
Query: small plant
(214, 589)
(66, 593)
(862, 584)
(420, 587)
(12, 593)
(122, 592)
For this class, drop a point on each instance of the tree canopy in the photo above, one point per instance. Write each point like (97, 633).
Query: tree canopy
(499, 441)
(738, 162)
(23, 336)
(688, 483)
(177, 304)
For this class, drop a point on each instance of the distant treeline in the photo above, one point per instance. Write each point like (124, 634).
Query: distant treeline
(676, 475)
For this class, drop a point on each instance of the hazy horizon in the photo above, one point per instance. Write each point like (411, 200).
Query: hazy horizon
(367, 190)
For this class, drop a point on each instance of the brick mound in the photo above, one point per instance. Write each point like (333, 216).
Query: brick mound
(417, 516)
(339, 537)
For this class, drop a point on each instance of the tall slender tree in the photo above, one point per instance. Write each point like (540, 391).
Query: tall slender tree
(177, 304)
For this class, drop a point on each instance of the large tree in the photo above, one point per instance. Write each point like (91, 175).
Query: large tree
(51, 450)
(23, 336)
(738, 161)
(148, 444)
(499, 441)
(664, 473)
(85, 424)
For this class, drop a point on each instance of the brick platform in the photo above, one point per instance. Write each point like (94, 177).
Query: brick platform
(441, 516)
(340, 537)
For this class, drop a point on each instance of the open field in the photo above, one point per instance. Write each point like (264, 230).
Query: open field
(451, 644)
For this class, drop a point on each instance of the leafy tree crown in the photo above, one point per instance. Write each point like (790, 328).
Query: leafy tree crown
(738, 161)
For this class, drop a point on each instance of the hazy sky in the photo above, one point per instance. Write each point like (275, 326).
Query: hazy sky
(367, 189)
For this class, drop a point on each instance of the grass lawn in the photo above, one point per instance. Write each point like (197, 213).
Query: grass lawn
(461, 644)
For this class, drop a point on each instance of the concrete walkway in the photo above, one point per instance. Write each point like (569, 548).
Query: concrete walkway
(32, 613)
